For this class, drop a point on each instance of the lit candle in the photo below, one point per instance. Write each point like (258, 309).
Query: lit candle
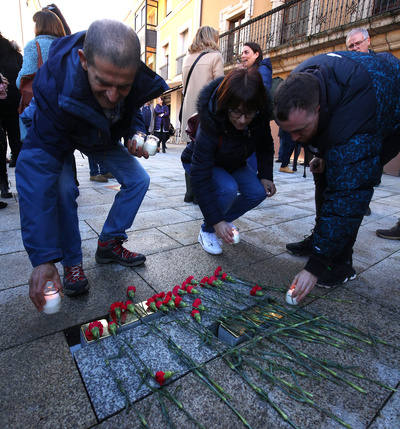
(139, 137)
(236, 236)
(52, 297)
(150, 145)
(289, 298)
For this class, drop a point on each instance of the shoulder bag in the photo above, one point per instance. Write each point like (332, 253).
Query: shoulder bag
(187, 82)
(25, 86)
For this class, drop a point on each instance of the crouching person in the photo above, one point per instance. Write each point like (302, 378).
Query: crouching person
(233, 123)
(86, 96)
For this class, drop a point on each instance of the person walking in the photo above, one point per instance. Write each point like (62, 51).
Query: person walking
(87, 98)
(10, 64)
(204, 63)
(233, 114)
(161, 123)
(346, 107)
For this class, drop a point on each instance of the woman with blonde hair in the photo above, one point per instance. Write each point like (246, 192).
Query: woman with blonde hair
(208, 67)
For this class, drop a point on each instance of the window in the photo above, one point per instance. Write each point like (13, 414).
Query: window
(295, 21)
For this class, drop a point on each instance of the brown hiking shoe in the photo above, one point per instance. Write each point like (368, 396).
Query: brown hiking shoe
(113, 251)
(391, 234)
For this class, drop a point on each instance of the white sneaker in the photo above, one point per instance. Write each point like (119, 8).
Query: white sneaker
(210, 242)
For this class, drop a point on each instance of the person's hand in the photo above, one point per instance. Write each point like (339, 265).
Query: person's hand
(224, 231)
(269, 187)
(40, 275)
(317, 165)
(139, 152)
(304, 282)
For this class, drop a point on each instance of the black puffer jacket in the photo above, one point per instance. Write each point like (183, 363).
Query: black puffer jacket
(220, 144)
(10, 64)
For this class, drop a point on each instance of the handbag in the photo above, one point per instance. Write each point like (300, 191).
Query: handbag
(25, 86)
(187, 82)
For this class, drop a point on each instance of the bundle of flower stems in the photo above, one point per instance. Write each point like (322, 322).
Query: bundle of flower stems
(274, 356)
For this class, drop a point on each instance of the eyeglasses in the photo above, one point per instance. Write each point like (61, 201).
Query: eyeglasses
(237, 114)
(356, 44)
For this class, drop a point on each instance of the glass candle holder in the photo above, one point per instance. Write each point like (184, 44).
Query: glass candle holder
(52, 297)
(236, 236)
(140, 138)
(150, 145)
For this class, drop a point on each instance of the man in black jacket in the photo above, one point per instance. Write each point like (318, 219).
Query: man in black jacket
(346, 107)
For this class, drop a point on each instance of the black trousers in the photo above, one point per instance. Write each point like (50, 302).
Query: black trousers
(346, 255)
(163, 139)
(10, 125)
(3, 152)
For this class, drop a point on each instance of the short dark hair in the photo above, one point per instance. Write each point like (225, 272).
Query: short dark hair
(298, 91)
(114, 41)
(255, 47)
(48, 23)
(242, 87)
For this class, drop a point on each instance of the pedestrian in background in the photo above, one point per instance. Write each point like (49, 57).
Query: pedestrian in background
(161, 123)
(204, 62)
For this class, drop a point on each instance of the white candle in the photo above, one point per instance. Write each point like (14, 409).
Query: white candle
(52, 297)
(150, 145)
(139, 137)
(236, 236)
(289, 298)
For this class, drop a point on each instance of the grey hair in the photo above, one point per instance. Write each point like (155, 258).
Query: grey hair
(114, 41)
(354, 31)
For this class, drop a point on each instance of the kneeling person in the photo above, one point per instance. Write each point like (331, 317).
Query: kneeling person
(234, 123)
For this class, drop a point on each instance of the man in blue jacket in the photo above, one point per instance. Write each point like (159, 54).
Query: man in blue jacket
(88, 95)
(346, 107)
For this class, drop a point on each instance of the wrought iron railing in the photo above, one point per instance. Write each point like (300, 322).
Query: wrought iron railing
(299, 19)
(179, 63)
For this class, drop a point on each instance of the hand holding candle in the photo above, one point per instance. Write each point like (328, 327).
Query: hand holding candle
(52, 297)
(40, 275)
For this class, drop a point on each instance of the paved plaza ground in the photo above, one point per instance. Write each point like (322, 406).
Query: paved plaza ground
(40, 382)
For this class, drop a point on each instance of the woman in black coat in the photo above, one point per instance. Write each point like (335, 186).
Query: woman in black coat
(233, 113)
(10, 64)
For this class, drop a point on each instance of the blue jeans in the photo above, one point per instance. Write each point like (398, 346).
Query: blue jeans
(134, 183)
(95, 167)
(236, 193)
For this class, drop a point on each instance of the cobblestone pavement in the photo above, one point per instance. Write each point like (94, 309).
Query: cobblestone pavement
(40, 383)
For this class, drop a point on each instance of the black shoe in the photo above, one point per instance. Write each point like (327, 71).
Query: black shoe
(113, 251)
(336, 275)
(391, 234)
(75, 282)
(5, 190)
(368, 212)
(188, 198)
(278, 160)
(301, 248)
(3, 205)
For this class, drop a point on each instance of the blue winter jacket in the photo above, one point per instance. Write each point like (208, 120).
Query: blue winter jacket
(67, 117)
(265, 70)
(219, 144)
(358, 125)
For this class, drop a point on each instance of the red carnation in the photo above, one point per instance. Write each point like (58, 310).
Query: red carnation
(116, 310)
(198, 304)
(131, 291)
(178, 291)
(160, 295)
(169, 294)
(169, 302)
(256, 291)
(224, 276)
(192, 290)
(129, 306)
(196, 315)
(162, 376)
(94, 331)
(112, 327)
(204, 281)
(217, 271)
(161, 306)
(190, 280)
(151, 304)
(179, 303)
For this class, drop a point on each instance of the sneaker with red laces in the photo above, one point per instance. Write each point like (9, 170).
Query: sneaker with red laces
(113, 251)
(75, 282)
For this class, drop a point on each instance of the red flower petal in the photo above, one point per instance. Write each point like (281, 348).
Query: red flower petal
(160, 377)
(223, 277)
(217, 270)
(96, 324)
(196, 302)
(175, 290)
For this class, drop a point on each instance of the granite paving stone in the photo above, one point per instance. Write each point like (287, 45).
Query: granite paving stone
(15, 270)
(107, 284)
(43, 388)
(274, 215)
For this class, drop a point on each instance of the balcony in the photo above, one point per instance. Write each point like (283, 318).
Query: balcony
(300, 20)
(179, 62)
